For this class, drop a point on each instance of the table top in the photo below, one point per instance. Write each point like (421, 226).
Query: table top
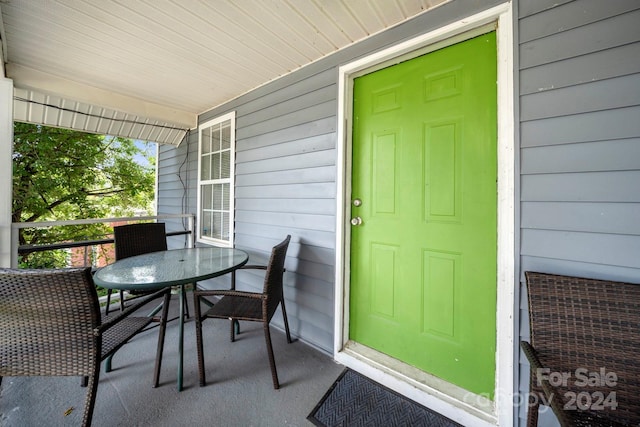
(168, 268)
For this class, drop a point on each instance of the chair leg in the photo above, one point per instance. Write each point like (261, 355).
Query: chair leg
(106, 308)
(186, 305)
(90, 400)
(161, 334)
(272, 360)
(533, 403)
(121, 300)
(532, 415)
(107, 363)
(234, 329)
(286, 322)
(199, 345)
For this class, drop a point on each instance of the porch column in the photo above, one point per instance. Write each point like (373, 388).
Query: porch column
(6, 150)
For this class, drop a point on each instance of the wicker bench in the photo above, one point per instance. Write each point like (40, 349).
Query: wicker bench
(584, 351)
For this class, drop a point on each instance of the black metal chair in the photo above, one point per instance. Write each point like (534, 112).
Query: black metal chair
(136, 239)
(250, 306)
(51, 325)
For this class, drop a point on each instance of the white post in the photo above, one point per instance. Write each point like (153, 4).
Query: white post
(192, 237)
(7, 250)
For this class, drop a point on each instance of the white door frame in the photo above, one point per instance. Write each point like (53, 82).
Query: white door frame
(467, 408)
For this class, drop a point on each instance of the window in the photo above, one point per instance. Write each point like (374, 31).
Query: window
(216, 160)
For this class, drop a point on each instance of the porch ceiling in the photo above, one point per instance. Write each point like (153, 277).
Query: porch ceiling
(162, 62)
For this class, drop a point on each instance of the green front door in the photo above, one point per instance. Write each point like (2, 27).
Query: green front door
(423, 259)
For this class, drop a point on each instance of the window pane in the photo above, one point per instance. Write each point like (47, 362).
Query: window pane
(226, 135)
(206, 226)
(225, 197)
(207, 199)
(217, 226)
(215, 166)
(215, 145)
(217, 197)
(206, 141)
(205, 170)
(225, 164)
(225, 225)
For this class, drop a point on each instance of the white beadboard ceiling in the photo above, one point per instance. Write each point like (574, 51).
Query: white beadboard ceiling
(157, 64)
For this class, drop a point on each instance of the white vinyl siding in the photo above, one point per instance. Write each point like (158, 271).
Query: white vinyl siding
(216, 158)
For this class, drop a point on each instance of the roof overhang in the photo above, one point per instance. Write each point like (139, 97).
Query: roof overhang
(146, 70)
(91, 109)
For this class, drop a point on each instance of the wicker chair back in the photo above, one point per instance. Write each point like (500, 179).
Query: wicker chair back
(585, 334)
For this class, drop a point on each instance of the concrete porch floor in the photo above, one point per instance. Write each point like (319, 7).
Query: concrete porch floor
(239, 390)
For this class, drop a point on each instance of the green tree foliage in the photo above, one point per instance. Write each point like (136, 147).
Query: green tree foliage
(61, 174)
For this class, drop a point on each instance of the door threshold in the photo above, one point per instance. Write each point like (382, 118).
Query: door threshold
(452, 401)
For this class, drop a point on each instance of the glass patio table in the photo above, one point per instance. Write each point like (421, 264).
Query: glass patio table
(171, 268)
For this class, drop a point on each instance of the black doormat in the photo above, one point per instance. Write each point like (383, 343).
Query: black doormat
(355, 400)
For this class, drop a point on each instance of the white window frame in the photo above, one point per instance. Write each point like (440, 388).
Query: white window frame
(200, 238)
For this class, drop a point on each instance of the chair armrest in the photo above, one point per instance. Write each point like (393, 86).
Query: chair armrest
(230, 293)
(253, 267)
(530, 352)
(130, 309)
(256, 267)
(247, 267)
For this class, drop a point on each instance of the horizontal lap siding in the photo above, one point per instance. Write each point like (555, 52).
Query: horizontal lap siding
(580, 143)
(173, 193)
(286, 184)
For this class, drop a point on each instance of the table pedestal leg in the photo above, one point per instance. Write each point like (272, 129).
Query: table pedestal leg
(183, 301)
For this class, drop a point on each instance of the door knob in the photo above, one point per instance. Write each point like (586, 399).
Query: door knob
(356, 221)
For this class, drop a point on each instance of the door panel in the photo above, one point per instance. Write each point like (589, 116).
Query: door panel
(423, 262)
